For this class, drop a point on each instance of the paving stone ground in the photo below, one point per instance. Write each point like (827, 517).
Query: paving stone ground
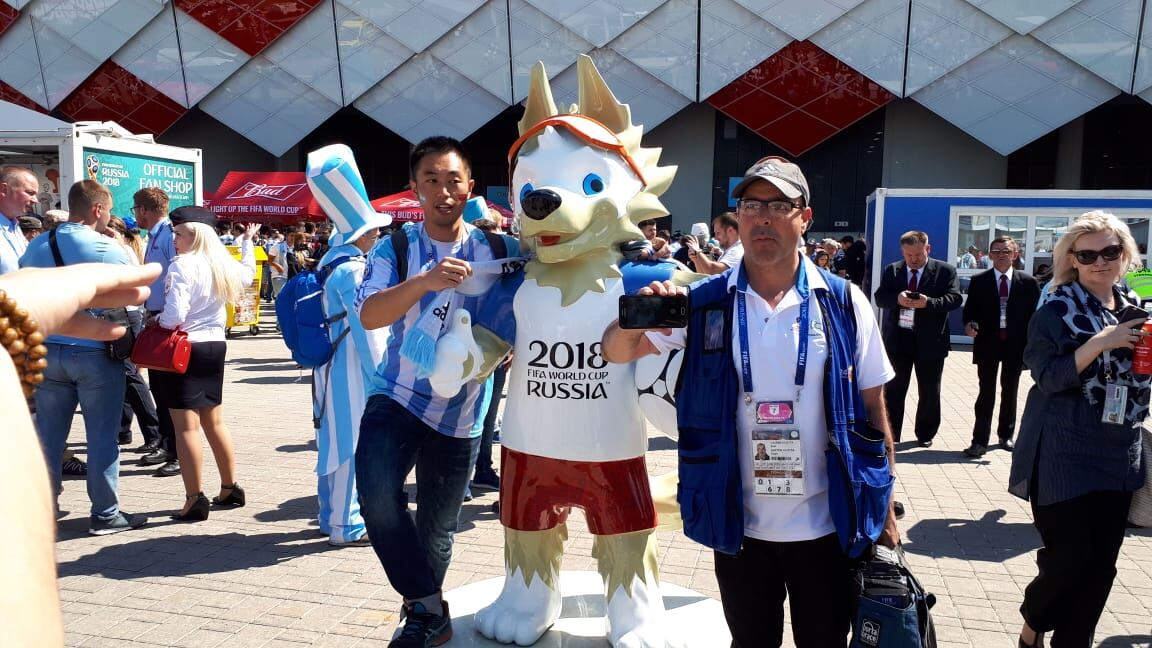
(262, 575)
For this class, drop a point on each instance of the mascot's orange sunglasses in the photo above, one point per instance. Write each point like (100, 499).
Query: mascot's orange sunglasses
(587, 129)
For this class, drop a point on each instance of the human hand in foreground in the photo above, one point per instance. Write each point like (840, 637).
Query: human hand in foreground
(56, 297)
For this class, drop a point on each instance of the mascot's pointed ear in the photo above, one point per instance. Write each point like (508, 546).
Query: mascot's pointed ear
(539, 105)
(597, 101)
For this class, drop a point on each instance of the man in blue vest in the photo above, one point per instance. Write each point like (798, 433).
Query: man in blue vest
(773, 530)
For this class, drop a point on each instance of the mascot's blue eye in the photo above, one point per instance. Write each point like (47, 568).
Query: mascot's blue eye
(593, 184)
(525, 190)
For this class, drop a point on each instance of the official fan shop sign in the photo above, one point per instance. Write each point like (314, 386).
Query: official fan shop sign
(125, 173)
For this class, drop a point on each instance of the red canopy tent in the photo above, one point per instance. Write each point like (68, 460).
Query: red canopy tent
(405, 207)
(278, 197)
(402, 207)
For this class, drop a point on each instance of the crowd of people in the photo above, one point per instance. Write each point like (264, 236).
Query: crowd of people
(1076, 457)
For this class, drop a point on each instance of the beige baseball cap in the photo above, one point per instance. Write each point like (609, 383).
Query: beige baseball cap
(785, 175)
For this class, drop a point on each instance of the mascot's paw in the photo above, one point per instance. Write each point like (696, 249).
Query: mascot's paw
(457, 357)
(522, 613)
(637, 621)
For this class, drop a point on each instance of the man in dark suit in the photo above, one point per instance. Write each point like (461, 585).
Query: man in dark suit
(999, 306)
(918, 293)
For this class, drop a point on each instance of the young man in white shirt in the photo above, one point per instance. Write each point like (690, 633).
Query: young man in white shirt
(277, 251)
(727, 230)
(789, 544)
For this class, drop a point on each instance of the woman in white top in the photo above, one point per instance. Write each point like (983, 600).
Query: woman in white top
(202, 278)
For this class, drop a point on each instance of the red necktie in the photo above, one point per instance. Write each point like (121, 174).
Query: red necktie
(912, 282)
(1003, 303)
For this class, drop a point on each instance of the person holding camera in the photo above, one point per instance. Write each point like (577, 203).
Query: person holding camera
(769, 516)
(1078, 456)
(727, 229)
(918, 293)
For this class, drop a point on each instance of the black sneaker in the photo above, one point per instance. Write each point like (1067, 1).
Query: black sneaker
(422, 628)
(122, 522)
(486, 480)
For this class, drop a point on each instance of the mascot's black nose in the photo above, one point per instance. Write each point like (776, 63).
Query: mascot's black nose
(539, 203)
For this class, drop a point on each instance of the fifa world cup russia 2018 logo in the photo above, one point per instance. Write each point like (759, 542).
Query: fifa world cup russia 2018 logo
(92, 166)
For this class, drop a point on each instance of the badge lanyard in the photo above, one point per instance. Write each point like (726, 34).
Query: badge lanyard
(745, 349)
(433, 256)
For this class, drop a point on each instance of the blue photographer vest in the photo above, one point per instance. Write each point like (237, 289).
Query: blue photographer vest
(710, 493)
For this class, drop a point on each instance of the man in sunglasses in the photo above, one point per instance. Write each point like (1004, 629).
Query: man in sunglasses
(996, 314)
(918, 293)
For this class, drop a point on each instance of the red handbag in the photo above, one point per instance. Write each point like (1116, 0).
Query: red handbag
(162, 349)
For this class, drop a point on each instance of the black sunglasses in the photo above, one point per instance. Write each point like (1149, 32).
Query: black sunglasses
(1088, 257)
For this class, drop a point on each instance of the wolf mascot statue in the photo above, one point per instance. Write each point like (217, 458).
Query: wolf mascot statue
(573, 433)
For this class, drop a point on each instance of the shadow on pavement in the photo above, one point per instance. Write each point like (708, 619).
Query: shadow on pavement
(661, 443)
(256, 361)
(277, 380)
(986, 540)
(280, 365)
(192, 554)
(928, 457)
(298, 447)
(300, 508)
(1126, 641)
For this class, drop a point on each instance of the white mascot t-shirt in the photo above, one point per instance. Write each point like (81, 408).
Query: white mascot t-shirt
(565, 400)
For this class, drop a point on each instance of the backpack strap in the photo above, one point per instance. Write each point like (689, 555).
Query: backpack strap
(322, 398)
(498, 245)
(400, 248)
(325, 272)
(56, 256)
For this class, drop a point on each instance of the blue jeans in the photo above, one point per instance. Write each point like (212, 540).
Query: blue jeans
(88, 376)
(415, 555)
(484, 459)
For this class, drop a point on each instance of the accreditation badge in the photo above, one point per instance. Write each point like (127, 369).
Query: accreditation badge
(1115, 401)
(777, 461)
(907, 318)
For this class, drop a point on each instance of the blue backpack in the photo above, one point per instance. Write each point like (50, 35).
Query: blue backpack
(300, 312)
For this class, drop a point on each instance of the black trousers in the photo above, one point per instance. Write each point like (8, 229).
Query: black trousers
(1077, 564)
(138, 403)
(815, 577)
(928, 373)
(1009, 369)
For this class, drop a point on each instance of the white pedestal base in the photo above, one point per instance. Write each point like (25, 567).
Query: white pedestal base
(694, 620)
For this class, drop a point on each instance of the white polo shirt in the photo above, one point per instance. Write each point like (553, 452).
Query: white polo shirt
(774, 341)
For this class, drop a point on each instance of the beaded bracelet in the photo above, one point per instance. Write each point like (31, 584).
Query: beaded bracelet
(23, 340)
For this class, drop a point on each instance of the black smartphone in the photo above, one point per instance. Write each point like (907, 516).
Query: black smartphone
(913, 295)
(653, 311)
(1131, 313)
